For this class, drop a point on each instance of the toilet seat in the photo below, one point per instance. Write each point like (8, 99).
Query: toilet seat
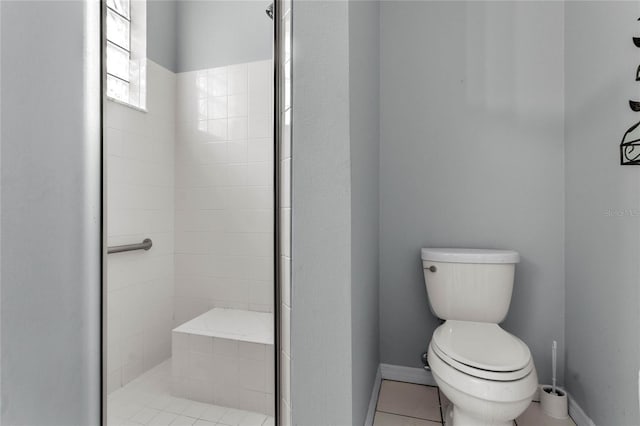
(482, 350)
(469, 391)
(496, 376)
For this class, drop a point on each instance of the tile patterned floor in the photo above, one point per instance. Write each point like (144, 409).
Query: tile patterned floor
(406, 404)
(148, 401)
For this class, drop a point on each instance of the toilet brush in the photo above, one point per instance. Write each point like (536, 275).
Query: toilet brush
(554, 401)
(554, 351)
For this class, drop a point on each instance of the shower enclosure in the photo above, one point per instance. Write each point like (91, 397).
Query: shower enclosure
(191, 305)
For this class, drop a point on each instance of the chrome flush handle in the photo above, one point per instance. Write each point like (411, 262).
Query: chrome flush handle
(432, 268)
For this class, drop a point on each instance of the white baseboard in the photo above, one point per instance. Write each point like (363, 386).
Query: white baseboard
(407, 374)
(577, 413)
(373, 402)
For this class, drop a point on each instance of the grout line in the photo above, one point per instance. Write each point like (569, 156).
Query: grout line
(407, 383)
(441, 421)
(406, 415)
(375, 409)
(440, 407)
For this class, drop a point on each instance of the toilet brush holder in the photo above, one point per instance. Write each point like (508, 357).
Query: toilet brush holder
(554, 404)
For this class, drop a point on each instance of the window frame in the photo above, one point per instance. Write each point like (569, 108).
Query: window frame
(129, 81)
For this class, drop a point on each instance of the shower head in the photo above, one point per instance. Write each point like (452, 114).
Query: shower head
(269, 11)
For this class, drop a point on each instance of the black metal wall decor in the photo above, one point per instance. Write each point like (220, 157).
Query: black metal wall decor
(630, 145)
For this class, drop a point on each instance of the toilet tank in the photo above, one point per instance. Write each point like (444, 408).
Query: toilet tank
(469, 284)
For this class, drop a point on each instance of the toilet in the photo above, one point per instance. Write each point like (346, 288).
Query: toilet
(487, 373)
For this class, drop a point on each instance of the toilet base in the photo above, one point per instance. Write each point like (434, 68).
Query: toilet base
(481, 402)
(447, 416)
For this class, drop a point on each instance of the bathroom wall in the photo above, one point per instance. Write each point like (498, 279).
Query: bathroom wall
(50, 197)
(162, 33)
(471, 155)
(140, 191)
(603, 198)
(224, 189)
(364, 30)
(217, 33)
(321, 369)
(190, 35)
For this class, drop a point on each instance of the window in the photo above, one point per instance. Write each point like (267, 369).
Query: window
(126, 51)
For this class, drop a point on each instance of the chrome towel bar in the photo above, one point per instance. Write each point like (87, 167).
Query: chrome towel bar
(144, 245)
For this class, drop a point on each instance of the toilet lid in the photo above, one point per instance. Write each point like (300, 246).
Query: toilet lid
(481, 345)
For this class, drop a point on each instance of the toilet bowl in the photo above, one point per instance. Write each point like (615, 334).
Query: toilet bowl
(487, 373)
(484, 390)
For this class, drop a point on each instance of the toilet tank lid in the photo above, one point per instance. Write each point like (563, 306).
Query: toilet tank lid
(460, 255)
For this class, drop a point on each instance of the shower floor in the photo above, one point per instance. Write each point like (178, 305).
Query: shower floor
(147, 401)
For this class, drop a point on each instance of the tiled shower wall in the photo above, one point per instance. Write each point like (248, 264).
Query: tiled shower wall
(224, 189)
(284, 62)
(140, 188)
(212, 130)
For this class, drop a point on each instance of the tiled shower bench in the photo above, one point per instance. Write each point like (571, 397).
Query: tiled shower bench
(225, 357)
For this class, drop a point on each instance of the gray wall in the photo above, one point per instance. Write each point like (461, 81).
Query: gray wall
(50, 198)
(602, 251)
(321, 223)
(471, 156)
(364, 30)
(161, 33)
(214, 33)
(188, 35)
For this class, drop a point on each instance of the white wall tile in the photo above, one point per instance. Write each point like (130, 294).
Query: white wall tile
(140, 175)
(238, 151)
(260, 150)
(237, 174)
(186, 308)
(238, 128)
(225, 348)
(260, 174)
(260, 126)
(255, 220)
(217, 81)
(252, 375)
(200, 220)
(238, 105)
(114, 141)
(261, 293)
(217, 107)
(260, 88)
(224, 190)
(252, 351)
(231, 289)
(200, 343)
(237, 82)
(217, 129)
